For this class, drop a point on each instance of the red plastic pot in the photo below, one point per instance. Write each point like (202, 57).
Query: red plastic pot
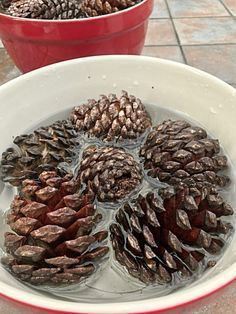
(36, 43)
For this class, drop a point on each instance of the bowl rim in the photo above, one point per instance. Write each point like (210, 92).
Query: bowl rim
(80, 20)
(159, 304)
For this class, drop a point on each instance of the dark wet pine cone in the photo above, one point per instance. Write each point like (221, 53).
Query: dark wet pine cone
(177, 152)
(4, 4)
(45, 9)
(101, 7)
(112, 118)
(52, 239)
(162, 242)
(109, 172)
(42, 150)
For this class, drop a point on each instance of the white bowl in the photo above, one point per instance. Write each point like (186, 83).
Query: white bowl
(36, 96)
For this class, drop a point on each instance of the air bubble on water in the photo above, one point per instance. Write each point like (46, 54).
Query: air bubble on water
(220, 105)
(104, 77)
(136, 83)
(114, 85)
(212, 110)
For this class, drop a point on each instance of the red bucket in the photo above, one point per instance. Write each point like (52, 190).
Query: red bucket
(36, 43)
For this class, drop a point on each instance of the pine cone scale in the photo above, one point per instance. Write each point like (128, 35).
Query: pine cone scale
(111, 173)
(175, 152)
(42, 150)
(111, 118)
(54, 240)
(159, 250)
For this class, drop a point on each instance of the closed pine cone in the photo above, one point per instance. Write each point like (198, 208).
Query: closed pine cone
(112, 118)
(177, 152)
(155, 240)
(52, 224)
(109, 172)
(45, 9)
(101, 7)
(42, 150)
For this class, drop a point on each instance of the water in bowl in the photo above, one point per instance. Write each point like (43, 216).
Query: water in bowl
(111, 282)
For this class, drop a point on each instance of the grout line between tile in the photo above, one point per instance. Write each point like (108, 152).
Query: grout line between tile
(191, 17)
(176, 34)
(227, 9)
(153, 46)
(203, 17)
(209, 45)
(192, 45)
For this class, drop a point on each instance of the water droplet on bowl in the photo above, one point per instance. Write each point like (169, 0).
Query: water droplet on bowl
(220, 106)
(104, 77)
(234, 93)
(114, 85)
(212, 110)
(136, 83)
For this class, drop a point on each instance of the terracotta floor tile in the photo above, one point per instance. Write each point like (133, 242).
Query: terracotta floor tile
(165, 52)
(8, 70)
(218, 60)
(219, 30)
(231, 5)
(160, 32)
(196, 8)
(160, 9)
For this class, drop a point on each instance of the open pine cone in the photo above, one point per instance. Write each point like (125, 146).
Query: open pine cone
(177, 152)
(101, 7)
(45, 9)
(42, 150)
(111, 118)
(52, 224)
(109, 172)
(63, 9)
(157, 241)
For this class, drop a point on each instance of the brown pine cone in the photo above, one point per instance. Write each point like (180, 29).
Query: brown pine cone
(45, 9)
(160, 242)
(101, 7)
(4, 4)
(109, 172)
(111, 118)
(52, 224)
(177, 152)
(42, 150)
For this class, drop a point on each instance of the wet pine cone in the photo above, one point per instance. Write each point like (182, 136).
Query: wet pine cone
(158, 241)
(112, 118)
(177, 152)
(109, 172)
(42, 150)
(101, 7)
(4, 4)
(45, 9)
(52, 239)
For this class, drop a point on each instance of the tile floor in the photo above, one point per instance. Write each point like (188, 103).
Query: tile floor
(201, 33)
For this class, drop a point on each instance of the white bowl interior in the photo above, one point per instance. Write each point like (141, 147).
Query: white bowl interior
(41, 94)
